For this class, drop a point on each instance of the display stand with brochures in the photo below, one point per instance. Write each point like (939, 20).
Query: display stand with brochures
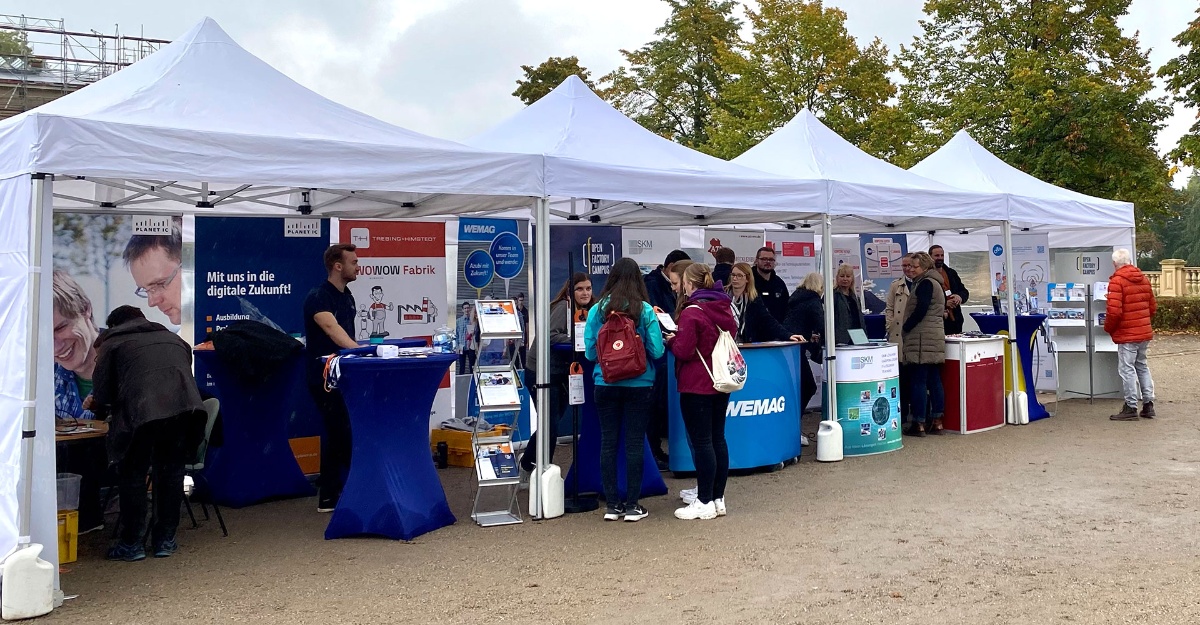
(497, 472)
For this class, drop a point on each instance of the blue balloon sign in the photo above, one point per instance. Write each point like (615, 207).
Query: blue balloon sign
(479, 269)
(508, 255)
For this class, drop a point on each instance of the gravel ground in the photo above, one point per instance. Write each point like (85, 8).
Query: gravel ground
(1074, 519)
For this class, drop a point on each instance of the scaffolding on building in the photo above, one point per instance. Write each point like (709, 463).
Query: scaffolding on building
(40, 60)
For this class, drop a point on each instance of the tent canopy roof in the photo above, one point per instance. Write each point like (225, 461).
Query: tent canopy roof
(1033, 203)
(204, 109)
(867, 192)
(595, 152)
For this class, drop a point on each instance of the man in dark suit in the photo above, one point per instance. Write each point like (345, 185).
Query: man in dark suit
(956, 292)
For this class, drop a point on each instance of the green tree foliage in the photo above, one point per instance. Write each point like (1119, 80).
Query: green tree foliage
(13, 43)
(1175, 234)
(1051, 86)
(672, 84)
(801, 56)
(544, 78)
(1183, 80)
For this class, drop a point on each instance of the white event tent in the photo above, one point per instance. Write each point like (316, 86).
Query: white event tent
(201, 109)
(1070, 218)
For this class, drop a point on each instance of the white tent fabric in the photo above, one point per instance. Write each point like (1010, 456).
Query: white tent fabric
(205, 109)
(1033, 203)
(637, 177)
(868, 194)
(200, 109)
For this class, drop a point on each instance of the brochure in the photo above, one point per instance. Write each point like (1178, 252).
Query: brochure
(497, 318)
(496, 462)
(497, 389)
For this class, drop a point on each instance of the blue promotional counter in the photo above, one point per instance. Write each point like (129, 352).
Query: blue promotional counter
(763, 425)
(1028, 327)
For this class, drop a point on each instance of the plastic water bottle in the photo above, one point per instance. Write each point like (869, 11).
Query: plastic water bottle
(443, 341)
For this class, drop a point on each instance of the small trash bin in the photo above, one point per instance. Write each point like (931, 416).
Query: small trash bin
(68, 491)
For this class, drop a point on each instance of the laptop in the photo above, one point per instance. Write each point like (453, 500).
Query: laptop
(858, 336)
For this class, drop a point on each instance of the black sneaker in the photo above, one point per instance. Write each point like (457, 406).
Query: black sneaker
(614, 512)
(635, 512)
(166, 548)
(126, 553)
(326, 504)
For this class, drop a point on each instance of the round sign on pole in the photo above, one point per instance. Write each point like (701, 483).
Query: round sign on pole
(508, 255)
(479, 269)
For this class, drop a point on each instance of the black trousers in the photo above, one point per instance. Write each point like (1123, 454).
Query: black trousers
(87, 458)
(157, 448)
(657, 430)
(704, 418)
(335, 443)
(558, 405)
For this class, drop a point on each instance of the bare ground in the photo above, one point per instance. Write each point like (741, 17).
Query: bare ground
(1073, 519)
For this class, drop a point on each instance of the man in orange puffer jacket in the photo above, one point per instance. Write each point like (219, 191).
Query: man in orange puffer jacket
(1127, 318)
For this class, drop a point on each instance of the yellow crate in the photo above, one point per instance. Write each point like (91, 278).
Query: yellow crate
(68, 536)
(458, 445)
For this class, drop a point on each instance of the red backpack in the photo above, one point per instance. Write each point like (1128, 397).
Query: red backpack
(620, 350)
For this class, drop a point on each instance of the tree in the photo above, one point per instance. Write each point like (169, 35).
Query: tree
(671, 85)
(1053, 87)
(14, 44)
(544, 78)
(1183, 80)
(800, 57)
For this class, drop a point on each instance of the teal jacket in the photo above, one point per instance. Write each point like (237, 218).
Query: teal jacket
(647, 328)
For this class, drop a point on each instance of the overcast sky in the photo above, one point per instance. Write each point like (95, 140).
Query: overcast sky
(447, 67)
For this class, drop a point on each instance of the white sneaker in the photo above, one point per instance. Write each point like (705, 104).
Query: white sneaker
(697, 510)
(720, 505)
(688, 495)
(803, 441)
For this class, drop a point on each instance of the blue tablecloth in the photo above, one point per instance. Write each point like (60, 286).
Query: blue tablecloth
(588, 461)
(876, 327)
(255, 463)
(763, 424)
(1027, 330)
(392, 489)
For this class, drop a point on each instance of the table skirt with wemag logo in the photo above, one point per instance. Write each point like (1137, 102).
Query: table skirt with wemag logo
(762, 426)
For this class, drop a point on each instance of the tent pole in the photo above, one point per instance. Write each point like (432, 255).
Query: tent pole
(1014, 365)
(43, 189)
(541, 313)
(830, 391)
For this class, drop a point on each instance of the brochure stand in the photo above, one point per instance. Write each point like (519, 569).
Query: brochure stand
(1075, 336)
(498, 391)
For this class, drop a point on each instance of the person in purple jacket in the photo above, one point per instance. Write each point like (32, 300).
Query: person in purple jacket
(706, 310)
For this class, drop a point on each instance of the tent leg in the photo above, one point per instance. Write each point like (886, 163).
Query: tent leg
(830, 332)
(1014, 365)
(43, 188)
(541, 314)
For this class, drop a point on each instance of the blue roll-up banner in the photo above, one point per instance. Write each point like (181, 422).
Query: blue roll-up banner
(881, 255)
(261, 269)
(594, 249)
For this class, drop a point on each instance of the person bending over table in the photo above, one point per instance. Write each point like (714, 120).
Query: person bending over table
(626, 402)
(579, 287)
(143, 378)
(75, 333)
(328, 327)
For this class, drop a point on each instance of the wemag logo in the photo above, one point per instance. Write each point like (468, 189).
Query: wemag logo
(754, 407)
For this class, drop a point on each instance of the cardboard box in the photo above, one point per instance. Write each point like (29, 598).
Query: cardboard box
(68, 536)
(308, 453)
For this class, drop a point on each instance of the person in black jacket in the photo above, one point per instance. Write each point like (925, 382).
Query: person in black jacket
(724, 258)
(806, 317)
(754, 322)
(847, 310)
(771, 288)
(956, 292)
(662, 296)
(143, 379)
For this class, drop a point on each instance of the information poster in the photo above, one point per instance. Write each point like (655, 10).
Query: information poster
(118, 260)
(590, 249)
(881, 254)
(1031, 269)
(795, 255)
(259, 269)
(868, 400)
(493, 264)
(846, 252)
(744, 243)
(401, 287)
(649, 246)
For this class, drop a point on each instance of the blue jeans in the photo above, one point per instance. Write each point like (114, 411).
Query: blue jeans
(1135, 373)
(927, 391)
(628, 408)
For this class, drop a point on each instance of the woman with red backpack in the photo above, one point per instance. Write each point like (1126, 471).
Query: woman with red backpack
(624, 338)
(705, 311)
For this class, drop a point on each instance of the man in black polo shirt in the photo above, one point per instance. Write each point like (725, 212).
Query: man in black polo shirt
(329, 316)
(770, 286)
